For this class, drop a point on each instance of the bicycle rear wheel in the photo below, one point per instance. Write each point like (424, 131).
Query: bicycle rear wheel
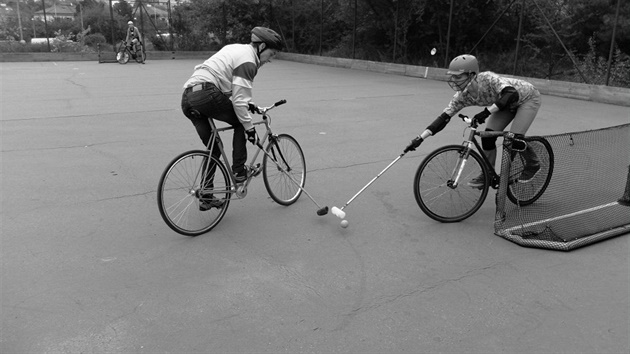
(433, 185)
(180, 194)
(290, 158)
(141, 55)
(526, 193)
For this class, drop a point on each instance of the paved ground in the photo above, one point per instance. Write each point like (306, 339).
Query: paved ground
(88, 266)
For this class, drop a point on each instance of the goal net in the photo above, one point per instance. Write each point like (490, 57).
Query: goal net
(585, 200)
(106, 56)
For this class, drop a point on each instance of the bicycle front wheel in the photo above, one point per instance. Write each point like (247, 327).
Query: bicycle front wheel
(283, 176)
(527, 193)
(434, 184)
(122, 56)
(190, 203)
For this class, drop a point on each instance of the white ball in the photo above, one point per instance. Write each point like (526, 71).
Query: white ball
(344, 223)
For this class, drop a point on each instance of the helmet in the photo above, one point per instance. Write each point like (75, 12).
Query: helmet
(463, 64)
(267, 36)
(130, 23)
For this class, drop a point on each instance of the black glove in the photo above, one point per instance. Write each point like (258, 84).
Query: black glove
(252, 137)
(253, 108)
(414, 144)
(481, 116)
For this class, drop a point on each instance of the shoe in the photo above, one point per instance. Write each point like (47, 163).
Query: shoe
(208, 201)
(529, 172)
(477, 182)
(241, 176)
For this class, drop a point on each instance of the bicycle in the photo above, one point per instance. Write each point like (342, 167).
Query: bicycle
(124, 52)
(440, 182)
(195, 178)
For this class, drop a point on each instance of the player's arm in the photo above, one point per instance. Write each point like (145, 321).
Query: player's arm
(508, 96)
(435, 127)
(240, 100)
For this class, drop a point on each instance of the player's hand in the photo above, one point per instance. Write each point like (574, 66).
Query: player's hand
(414, 144)
(252, 137)
(481, 116)
(253, 108)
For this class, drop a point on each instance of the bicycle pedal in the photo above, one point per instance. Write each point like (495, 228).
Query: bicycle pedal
(255, 170)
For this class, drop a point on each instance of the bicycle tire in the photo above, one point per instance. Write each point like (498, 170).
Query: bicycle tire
(122, 55)
(142, 57)
(179, 194)
(523, 194)
(431, 187)
(288, 154)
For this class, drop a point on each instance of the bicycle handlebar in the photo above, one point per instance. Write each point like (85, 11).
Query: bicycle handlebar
(488, 133)
(264, 110)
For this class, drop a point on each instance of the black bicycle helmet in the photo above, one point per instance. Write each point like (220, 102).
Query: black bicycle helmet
(267, 36)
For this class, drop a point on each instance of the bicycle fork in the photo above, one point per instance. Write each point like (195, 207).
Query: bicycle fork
(459, 167)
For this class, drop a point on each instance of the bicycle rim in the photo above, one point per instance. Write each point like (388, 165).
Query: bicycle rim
(122, 57)
(527, 193)
(142, 57)
(431, 184)
(289, 156)
(179, 194)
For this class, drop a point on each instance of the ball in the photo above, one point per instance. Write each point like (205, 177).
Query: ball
(344, 223)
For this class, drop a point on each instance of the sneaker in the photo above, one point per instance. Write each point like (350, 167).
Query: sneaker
(477, 182)
(241, 176)
(208, 201)
(529, 172)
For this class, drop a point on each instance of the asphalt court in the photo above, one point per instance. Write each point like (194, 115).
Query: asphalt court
(89, 266)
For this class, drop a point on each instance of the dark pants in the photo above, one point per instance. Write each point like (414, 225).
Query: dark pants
(211, 102)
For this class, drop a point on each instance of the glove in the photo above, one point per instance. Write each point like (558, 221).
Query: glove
(252, 137)
(414, 144)
(253, 108)
(481, 116)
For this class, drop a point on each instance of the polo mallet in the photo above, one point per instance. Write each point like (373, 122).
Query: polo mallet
(322, 210)
(338, 212)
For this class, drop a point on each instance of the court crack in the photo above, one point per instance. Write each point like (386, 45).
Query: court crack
(388, 299)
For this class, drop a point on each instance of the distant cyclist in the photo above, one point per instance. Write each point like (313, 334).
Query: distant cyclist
(221, 88)
(509, 101)
(134, 38)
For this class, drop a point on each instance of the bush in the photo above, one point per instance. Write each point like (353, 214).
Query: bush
(11, 46)
(595, 67)
(93, 40)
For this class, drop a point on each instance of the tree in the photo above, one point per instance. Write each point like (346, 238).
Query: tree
(404, 31)
(123, 9)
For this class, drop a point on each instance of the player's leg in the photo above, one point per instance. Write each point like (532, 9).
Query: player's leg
(524, 117)
(496, 122)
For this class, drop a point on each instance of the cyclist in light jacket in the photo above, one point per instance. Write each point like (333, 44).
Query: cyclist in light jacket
(221, 88)
(509, 100)
(134, 38)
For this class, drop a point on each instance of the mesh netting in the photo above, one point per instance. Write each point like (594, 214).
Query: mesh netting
(106, 56)
(580, 195)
